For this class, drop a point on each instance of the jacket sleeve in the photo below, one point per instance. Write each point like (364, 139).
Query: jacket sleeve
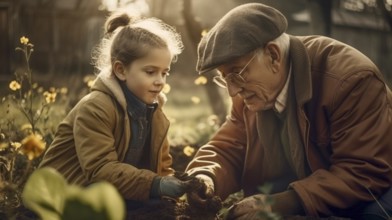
(222, 158)
(97, 155)
(360, 117)
(166, 160)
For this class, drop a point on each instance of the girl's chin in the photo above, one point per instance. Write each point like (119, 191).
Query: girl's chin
(149, 101)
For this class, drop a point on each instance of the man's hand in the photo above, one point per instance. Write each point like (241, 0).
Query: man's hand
(172, 187)
(200, 197)
(249, 208)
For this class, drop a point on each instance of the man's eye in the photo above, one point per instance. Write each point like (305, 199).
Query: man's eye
(236, 71)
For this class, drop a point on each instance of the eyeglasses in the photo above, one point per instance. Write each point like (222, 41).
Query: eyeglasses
(232, 78)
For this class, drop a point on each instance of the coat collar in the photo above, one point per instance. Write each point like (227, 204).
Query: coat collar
(136, 108)
(106, 82)
(301, 71)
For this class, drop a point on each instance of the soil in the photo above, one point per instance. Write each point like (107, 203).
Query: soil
(172, 209)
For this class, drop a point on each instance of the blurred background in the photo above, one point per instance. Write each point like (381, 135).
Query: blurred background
(64, 34)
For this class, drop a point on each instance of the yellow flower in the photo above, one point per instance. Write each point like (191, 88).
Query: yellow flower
(64, 90)
(204, 32)
(50, 97)
(90, 83)
(24, 40)
(16, 145)
(213, 120)
(89, 80)
(33, 146)
(26, 127)
(166, 88)
(188, 150)
(195, 99)
(14, 85)
(201, 80)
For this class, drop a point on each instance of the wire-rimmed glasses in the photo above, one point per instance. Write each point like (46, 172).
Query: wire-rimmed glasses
(232, 78)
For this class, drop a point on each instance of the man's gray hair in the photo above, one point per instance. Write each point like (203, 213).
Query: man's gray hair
(283, 41)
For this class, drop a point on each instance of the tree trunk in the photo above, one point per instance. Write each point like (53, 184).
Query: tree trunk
(194, 30)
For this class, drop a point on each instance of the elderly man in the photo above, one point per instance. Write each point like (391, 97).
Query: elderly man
(310, 115)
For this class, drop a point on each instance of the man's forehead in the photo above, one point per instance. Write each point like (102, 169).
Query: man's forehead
(238, 62)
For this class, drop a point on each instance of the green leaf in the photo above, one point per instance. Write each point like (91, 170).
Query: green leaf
(77, 207)
(266, 188)
(100, 201)
(269, 200)
(44, 193)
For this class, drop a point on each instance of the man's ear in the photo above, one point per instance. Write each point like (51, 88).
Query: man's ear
(119, 70)
(274, 56)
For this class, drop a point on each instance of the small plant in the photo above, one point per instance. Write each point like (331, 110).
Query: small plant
(266, 190)
(229, 201)
(262, 214)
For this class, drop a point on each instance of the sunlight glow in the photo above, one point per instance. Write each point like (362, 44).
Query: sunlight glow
(140, 7)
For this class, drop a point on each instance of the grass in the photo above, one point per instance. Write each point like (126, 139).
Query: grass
(189, 111)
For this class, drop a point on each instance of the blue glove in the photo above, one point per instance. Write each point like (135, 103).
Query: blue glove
(169, 186)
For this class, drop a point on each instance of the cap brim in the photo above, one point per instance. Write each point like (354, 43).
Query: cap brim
(207, 70)
(217, 63)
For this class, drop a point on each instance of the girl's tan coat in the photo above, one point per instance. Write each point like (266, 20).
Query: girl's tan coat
(92, 140)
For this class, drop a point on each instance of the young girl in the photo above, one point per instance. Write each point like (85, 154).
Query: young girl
(118, 132)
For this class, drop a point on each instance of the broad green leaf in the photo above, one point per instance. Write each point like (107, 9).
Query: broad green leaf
(98, 201)
(76, 206)
(44, 193)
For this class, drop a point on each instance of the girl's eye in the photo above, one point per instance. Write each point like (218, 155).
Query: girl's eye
(150, 72)
(156, 72)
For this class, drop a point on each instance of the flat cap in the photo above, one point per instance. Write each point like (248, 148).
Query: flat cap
(243, 29)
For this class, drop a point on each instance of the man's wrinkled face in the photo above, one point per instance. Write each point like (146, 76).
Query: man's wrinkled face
(263, 78)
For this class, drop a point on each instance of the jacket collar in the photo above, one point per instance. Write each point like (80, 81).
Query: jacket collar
(136, 108)
(106, 82)
(301, 71)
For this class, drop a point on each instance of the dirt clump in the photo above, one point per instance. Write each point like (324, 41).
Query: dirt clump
(180, 209)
